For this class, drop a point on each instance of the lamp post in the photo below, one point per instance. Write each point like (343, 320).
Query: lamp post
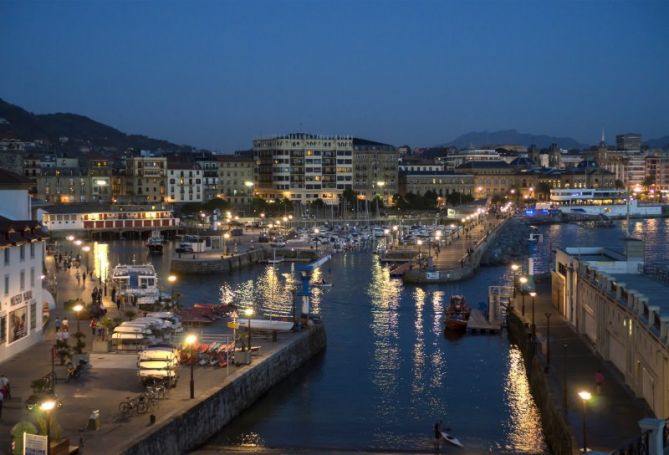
(585, 397)
(248, 313)
(380, 184)
(419, 242)
(77, 309)
(514, 268)
(86, 249)
(564, 379)
(226, 236)
(190, 342)
(48, 406)
(70, 238)
(249, 184)
(534, 327)
(548, 341)
(172, 279)
(523, 281)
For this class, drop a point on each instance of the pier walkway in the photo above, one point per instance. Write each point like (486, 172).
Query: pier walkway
(112, 378)
(613, 416)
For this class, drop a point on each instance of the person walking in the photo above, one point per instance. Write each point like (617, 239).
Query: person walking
(118, 303)
(66, 325)
(113, 294)
(83, 278)
(4, 386)
(437, 436)
(94, 327)
(78, 277)
(57, 324)
(599, 380)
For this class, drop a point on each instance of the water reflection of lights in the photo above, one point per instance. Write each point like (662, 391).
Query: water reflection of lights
(417, 385)
(524, 424)
(385, 298)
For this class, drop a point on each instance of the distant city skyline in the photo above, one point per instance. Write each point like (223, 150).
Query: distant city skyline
(219, 74)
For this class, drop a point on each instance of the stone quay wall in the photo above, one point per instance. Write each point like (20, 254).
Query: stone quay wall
(556, 430)
(220, 405)
(214, 264)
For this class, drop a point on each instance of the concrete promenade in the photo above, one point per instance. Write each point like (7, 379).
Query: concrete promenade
(111, 379)
(612, 416)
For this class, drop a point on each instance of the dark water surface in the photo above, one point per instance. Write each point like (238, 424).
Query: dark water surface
(388, 372)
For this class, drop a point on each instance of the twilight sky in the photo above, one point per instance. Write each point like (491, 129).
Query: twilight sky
(217, 74)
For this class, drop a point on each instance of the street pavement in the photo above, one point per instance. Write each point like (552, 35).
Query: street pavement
(612, 416)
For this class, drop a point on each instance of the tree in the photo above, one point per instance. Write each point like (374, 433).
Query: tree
(619, 184)
(216, 203)
(349, 196)
(648, 181)
(543, 190)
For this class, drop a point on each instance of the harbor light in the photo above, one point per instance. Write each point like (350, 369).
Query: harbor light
(395, 227)
(515, 267)
(190, 342)
(77, 309)
(386, 231)
(290, 217)
(86, 248)
(48, 406)
(285, 219)
(317, 231)
(70, 238)
(248, 312)
(172, 278)
(585, 396)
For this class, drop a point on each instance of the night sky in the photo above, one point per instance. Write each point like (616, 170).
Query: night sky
(218, 74)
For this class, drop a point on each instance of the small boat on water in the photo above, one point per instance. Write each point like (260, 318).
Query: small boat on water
(451, 439)
(155, 243)
(140, 281)
(457, 314)
(275, 260)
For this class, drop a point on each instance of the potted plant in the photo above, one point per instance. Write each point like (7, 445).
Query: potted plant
(63, 350)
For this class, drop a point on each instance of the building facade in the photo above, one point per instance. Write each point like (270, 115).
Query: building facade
(184, 183)
(236, 174)
(375, 170)
(628, 141)
(618, 304)
(657, 168)
(145, 178)
(441, 183)
(22, 246)
(304, 167)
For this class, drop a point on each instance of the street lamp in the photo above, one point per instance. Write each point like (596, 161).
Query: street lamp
(226, 236)
(77, 309)
(534, 327)
(585, 397)
(86, 249)
(190, 342)
(172, 279)
(514, 268)
(380, 184)
(523, 282)
(78, 242)
(248, 313)
(317, 231)
(48, 406)
(419, 242)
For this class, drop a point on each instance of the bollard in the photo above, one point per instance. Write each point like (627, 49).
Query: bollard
(152, 419)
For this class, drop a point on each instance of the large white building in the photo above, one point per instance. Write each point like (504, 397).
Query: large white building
(620, 305)
(22, 246)
(185, 183)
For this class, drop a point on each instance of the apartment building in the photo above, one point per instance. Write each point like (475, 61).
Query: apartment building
(145, 178)
(209, 168)
(375, 170)
(236, 174)
(305, 167)
(441, 183)
(184, 183)
(657, 168)
(22, 245)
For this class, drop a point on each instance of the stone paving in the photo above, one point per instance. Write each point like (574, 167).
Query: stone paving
(612, 416)
(111, 378)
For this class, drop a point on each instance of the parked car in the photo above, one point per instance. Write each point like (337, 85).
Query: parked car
(262, 238)
(236, 232)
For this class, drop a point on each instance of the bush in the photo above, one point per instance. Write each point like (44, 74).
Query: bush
(17, 431)
(62, 350)
(81, 344)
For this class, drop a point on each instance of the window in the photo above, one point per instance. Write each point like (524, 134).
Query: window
(22, 252)
(32, 251)
(6, 256)
(32, 277)
(3, 329)
(22, 281)
(6, 284)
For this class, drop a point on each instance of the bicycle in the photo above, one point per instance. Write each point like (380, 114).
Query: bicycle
(132, 404)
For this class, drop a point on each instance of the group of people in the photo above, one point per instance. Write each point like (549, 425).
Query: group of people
(5, 391)
(62, 328)
(67, 261)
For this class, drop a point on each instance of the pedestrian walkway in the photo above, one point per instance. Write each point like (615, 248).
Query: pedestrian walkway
(613, 415)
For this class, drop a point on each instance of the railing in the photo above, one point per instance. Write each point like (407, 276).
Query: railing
(658, 271)
(637, 446)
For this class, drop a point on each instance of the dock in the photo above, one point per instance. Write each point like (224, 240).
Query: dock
(477, 323)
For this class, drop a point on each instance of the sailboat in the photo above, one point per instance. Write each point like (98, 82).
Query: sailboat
(275, 260)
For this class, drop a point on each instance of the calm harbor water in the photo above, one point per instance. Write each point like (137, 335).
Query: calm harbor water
(389, 373)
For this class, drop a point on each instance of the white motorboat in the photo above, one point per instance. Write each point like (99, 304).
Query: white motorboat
(451, 439)
(266, 324)
(139, 281)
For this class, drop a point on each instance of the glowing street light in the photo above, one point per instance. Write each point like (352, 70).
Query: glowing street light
(70, 238)
(77, 309)
(48, 406)
(585, 396)
(248, 312)
(190, 342)
(534, 327)
(523, 282)
(78, 242)
(172, 279)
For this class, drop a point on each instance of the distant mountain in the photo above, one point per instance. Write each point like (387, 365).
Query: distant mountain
(17, 122)
(481, 138)
(660, 142)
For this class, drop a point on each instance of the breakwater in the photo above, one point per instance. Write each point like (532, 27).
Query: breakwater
(192, 428)
(510, 244)
(212, 262)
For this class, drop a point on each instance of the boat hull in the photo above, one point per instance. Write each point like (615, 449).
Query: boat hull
(265, 324)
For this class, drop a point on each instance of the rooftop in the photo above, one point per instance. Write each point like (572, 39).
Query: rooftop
(97, 208)
(488, 164)
(19, 231)
(655, 290)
